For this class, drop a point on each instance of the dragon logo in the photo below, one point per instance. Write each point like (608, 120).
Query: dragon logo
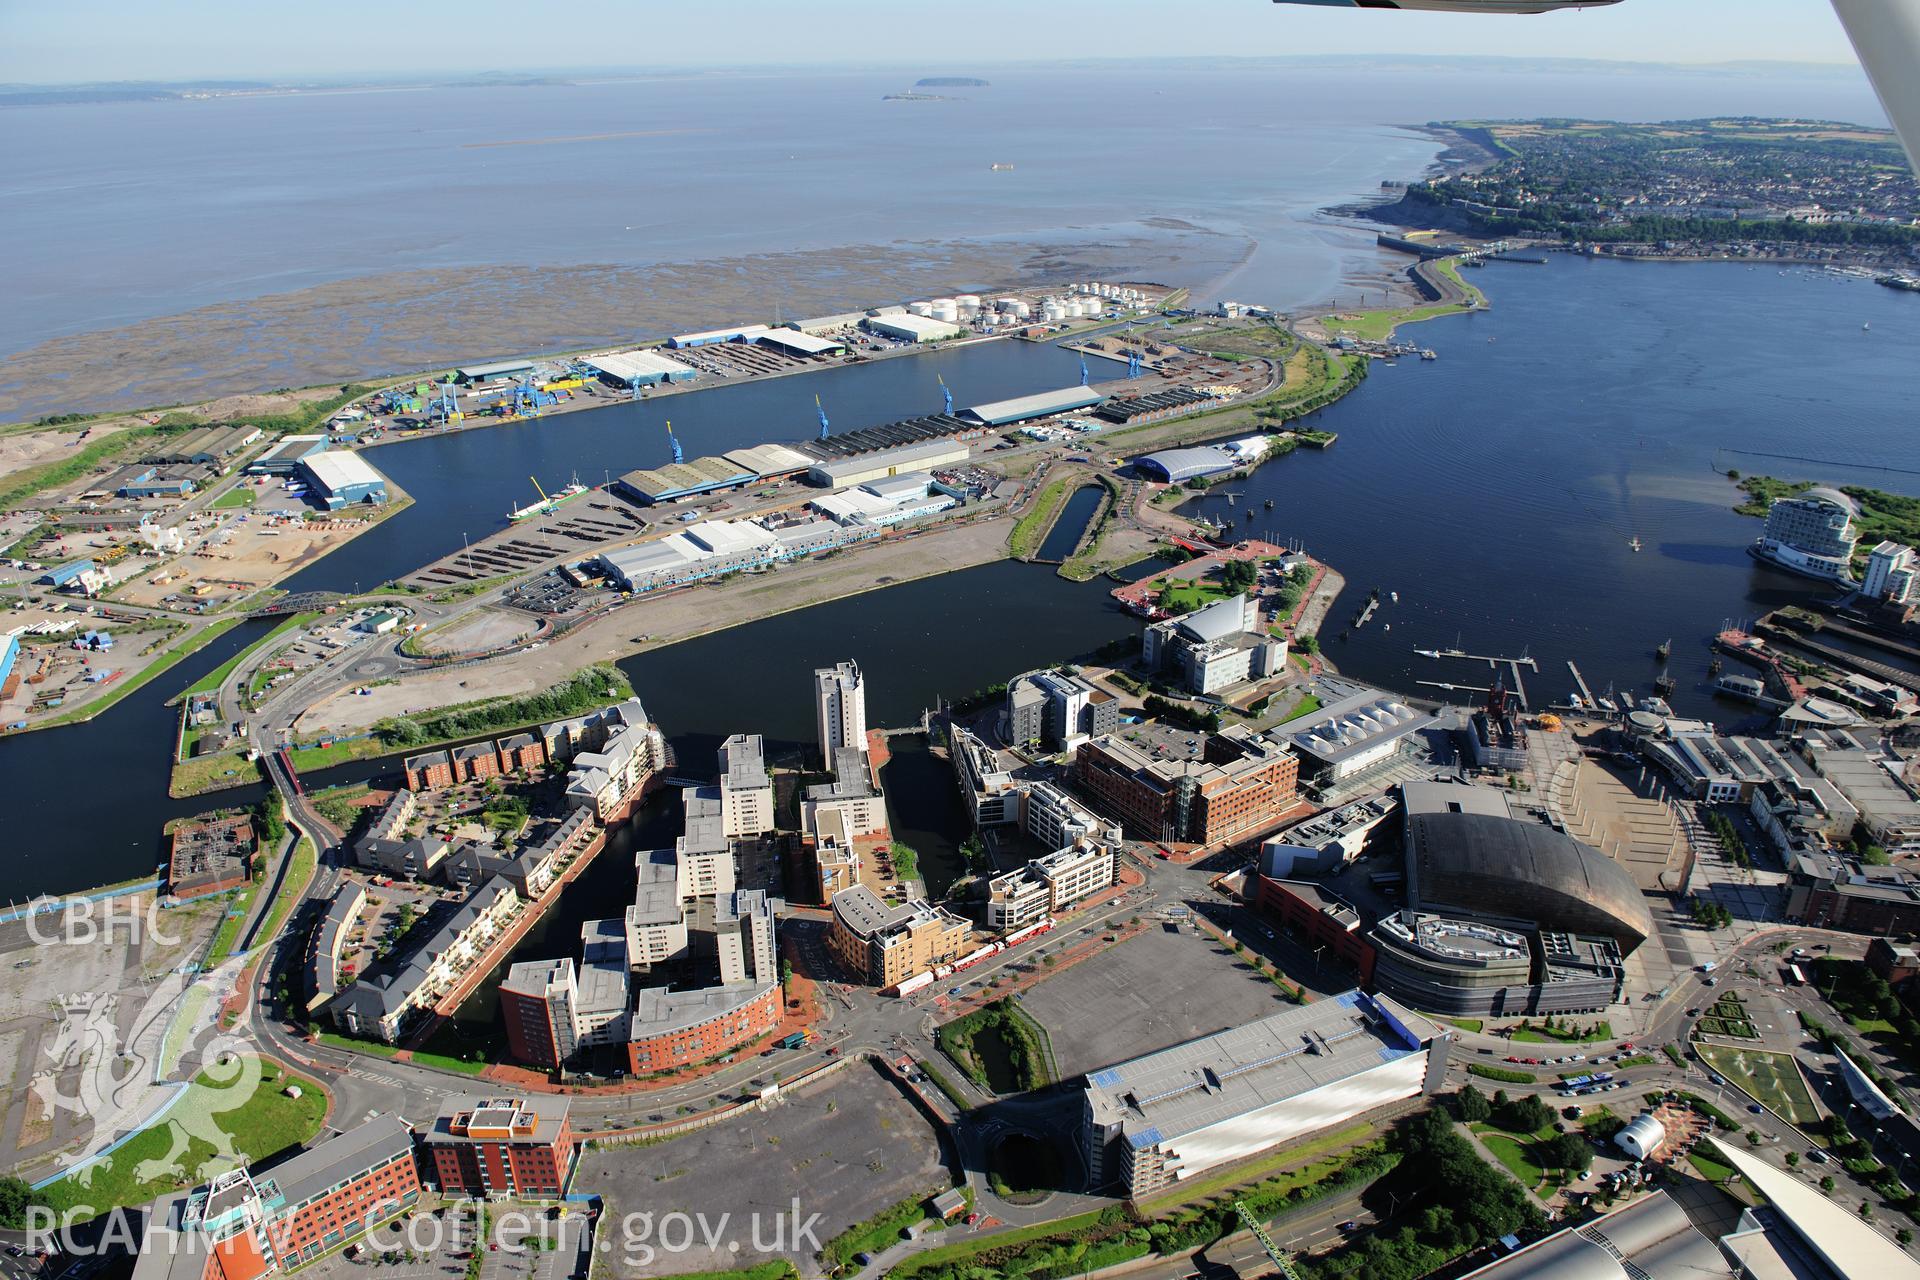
(168, 1067)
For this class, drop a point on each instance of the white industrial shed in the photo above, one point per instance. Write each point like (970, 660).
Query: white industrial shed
(910, 328)
(796, 343)
(639, 368)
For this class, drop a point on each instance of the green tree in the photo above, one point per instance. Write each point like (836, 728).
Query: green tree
(1827, 1184)
(1470, 1106)
(15, 1196)
(1569, 1151)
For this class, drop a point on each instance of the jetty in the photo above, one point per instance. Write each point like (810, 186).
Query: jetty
(1586, 694)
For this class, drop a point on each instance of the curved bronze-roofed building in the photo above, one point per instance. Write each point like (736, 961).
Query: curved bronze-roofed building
(1484, 865)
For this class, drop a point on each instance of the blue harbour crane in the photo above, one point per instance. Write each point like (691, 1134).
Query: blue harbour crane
(675, 442)
(445, 403)
(946, 391)
(823, 417)
(1133, 364)
(1083, 370)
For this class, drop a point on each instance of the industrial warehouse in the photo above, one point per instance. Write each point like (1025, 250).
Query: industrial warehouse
(1172, 1115)
(916, 444)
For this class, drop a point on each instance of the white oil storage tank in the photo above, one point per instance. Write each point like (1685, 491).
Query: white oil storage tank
(920, 308)
(968, 301)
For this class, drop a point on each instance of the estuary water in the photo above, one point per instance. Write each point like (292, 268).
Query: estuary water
(134, 211)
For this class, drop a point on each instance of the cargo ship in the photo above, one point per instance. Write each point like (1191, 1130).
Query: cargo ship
(547, 502)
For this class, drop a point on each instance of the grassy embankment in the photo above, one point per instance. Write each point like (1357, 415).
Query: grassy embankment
(1378, 326)
(588, 690)
(1170, 1227)
(1031, 529)
(246, 1101)
(1090, 562)
(111, 450)
(378, 1050)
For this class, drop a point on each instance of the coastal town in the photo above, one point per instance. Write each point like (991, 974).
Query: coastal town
(1188, 952)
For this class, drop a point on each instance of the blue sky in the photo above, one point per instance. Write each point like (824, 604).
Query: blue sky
(138, 39)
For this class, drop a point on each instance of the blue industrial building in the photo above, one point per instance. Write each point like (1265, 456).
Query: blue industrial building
(64, 574)
(154, 482)
(9, 651)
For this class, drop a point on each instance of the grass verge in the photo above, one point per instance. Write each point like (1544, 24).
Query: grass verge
(245, 1101)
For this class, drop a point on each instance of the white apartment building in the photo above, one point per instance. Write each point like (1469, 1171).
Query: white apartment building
(632, 752)
(744, 936)
(840, 708)
(1890, 574)
(746, 792)
(656, 923)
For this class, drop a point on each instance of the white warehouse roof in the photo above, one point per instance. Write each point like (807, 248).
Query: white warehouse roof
(337, 469)
(804, 343)
(628, 365)
(914, 328)
(1037, 405)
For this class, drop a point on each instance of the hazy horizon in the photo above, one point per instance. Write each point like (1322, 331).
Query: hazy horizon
(112, 41)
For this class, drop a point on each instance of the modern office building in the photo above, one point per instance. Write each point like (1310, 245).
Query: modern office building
(501, 1147)
(251, 1223)
(1049, 885)
(1352, 736)
(1242, 784)
(1170, 1116)
(884, 944)
(1876, 781)
(1057, 709)
(840, 709)
(1214, 648)
(1890, 574)
(1811, 535)
(1469, 968)
(1830, 890)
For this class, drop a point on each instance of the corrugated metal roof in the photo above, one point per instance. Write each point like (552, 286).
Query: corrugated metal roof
(1038, 405)
(338, 469)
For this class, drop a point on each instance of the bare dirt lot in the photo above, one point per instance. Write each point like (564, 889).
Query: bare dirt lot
(847, 1150)
(1157, 989)
(480, 631)
(679, 616)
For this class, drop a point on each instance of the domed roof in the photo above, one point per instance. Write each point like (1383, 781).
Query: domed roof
(1486, 865)
(1825, 493)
